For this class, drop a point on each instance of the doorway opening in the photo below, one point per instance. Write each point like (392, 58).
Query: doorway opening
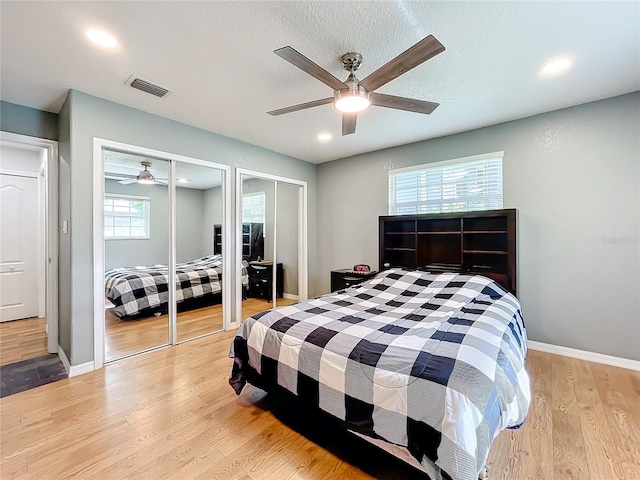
(28, 250)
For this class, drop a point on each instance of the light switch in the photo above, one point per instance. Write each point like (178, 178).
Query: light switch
(65, 227)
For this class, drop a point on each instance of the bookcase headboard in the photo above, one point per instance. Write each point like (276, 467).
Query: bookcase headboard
(481, 243)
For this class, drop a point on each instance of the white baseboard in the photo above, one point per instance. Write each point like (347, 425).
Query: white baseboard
(290, 296)
(584, 355)
(74, 370)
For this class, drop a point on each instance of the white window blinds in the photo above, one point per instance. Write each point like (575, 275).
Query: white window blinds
(463, 185)
(126, 217)
(254, 207)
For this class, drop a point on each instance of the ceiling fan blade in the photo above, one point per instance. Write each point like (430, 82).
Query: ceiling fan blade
(301, 106)
(349, 123)
(303, 63)
(422, 51)
(402, 103)
(128, 181)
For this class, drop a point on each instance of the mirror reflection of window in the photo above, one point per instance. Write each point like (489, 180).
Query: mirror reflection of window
(254, 207)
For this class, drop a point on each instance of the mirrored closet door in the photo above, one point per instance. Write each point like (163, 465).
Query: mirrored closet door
(164, 234)
(136, 254)
(199, 234)
(271, 219)
(287, 249)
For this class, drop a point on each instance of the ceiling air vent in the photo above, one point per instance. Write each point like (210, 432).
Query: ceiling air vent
(145, 86)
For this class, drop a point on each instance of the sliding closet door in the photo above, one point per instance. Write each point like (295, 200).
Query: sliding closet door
(199, 234)
(136, 246)
(257, 202)
(287, 231)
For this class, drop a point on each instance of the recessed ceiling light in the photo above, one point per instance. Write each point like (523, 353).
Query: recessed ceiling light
(324, 137)
(102, 38)
(556, 66)
(183, 180)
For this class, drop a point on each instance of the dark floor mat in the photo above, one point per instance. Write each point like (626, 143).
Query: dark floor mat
(27, 374)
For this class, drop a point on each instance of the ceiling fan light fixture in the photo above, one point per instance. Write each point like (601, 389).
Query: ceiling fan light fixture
(145, 176)
(352, 101)
(556, 66)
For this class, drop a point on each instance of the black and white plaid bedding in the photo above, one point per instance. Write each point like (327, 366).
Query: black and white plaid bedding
(132, 289)
(431, 362)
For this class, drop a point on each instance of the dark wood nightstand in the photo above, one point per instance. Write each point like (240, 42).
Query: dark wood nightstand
(261, 280)
(345, 278)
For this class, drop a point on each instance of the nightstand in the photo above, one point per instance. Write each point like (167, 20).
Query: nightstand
(261, 280)
(345, 278)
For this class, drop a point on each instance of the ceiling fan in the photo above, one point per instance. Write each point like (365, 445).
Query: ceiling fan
(353, 95)
(144, 177)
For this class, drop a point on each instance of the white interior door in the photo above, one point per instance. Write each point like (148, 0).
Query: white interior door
(18, 247)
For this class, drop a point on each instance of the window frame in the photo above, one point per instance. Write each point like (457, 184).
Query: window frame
(437, 165)
(147, 216)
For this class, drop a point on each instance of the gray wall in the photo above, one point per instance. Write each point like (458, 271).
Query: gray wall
(94, 117)
(28, 121)
(190, 225)
(64, 239)
(574, 176)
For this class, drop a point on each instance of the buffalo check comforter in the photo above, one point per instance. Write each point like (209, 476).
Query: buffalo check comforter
(132, 289)
(431, 362)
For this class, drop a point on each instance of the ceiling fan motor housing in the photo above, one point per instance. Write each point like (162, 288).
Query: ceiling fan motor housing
(351, 61)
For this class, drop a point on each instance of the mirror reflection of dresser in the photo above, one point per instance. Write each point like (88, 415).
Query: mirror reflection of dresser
(261, 280)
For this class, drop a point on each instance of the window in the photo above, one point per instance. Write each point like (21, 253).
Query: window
(463, 185)
(254, 207)
(126, 217)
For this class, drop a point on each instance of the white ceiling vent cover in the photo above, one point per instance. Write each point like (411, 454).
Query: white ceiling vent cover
(146, 86)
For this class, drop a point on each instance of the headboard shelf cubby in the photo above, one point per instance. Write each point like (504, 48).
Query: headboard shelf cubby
(482, 243)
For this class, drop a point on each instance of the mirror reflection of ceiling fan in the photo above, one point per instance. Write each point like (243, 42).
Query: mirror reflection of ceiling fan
(145, 177)
(353, 95)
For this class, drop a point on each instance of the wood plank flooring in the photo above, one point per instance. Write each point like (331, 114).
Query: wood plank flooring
(22, 340)
(125, 337)
(171, 414)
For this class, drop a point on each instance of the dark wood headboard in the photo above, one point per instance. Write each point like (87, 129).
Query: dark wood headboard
(482, 243)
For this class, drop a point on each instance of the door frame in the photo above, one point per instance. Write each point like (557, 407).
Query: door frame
(303, 247)
(49, 151)
(98, 238)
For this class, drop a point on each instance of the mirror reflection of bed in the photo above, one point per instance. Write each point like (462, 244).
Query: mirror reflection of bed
(137, 232)
(269, 229)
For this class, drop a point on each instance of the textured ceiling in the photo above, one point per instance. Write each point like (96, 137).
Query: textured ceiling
(217, 60)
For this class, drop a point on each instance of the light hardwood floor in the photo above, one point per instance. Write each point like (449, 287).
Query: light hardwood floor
(171, 414)
(22, 340)
(125, 337)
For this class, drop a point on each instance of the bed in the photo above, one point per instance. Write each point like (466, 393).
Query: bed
(430, 365)
(140, 290)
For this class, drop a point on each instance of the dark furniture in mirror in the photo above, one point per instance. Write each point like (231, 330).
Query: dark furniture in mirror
(261, 280)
